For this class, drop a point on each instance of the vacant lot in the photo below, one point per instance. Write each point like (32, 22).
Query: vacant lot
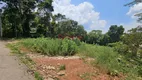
(55, 59)
(69, 68)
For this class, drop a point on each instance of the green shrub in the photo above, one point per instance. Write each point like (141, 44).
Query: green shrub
(62, 67)
(119, 47)
(77, 41)
(51, 47)
(38, 76)
(68, 47)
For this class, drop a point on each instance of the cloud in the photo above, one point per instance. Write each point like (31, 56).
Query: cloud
(83, 13)
(131, 25)
(137, 8)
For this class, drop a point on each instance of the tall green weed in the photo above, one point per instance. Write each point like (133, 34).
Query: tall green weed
(51, 47)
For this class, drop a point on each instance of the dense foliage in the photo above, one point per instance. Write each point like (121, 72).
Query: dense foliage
(134, 40)
(113, 35)
(51, 47)
(18, 15)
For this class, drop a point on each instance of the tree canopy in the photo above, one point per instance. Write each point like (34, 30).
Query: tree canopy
(115, 32)
(18, 14)
(133, 39)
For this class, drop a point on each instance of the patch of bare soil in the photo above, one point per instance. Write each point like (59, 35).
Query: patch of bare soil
(68, 68)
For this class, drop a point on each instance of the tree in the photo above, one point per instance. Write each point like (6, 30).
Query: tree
(133, 39)
(104, 39)
(115, 32)
(20, 13)
(59, 17)
(80, 31)
(44, 10)
(68, 27)
(95, 36)
(23, 17)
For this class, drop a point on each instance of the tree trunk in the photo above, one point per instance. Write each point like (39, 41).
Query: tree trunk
(0, 25)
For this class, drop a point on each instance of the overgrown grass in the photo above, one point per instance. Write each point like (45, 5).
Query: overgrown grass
(51, 47)
(105, 57)
(108, 59)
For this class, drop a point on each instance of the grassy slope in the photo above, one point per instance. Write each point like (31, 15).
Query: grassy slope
(108, 59)
(105, 57)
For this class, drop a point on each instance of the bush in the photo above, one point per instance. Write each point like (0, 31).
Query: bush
(38, 76)
(68, 47)
(119, 47)
(77, 41)
(51, 47)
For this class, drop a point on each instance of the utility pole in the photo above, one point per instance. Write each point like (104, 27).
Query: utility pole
(0, 23)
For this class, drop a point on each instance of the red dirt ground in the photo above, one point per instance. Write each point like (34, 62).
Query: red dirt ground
(76, 68)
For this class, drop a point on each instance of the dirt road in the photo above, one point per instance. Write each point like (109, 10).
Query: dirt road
(10, 66)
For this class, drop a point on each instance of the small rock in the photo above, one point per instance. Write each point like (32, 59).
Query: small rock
(50, 78)
(50, 75)
(50, 68)
(43, 70)
(61, 73)
(58, 64)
